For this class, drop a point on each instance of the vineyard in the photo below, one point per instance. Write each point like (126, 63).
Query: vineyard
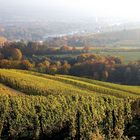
(54, 107)
(4, 90)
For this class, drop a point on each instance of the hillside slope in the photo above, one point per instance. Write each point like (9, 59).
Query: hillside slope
(122, 38)
(43, 84)
(4, 90)
(66, 107)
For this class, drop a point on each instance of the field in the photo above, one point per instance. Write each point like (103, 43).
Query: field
(40, 106)
(127, 54)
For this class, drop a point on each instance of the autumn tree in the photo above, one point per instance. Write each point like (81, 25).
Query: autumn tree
(43, 66)
(9, 64)
(105, 75)
(26, 65)
(65, 68)
(58, 64)
(53, 69)
(16, 54)
(65, 48)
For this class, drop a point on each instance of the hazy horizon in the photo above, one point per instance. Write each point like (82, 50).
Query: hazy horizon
(73, 8)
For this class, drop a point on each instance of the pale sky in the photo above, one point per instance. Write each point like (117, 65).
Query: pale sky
(115, 8)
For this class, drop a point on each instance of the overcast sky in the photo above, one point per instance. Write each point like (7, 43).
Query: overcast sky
(114, 8)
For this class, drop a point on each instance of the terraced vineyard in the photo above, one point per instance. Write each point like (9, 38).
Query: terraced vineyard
(4, 90)
(93, 86)
(40, 106)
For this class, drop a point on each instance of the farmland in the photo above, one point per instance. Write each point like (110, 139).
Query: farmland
(126, 53)
(40, 106)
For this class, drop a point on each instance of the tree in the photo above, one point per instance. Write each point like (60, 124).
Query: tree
(5, 63)
(65, 48)
(26, 65)
(104, 75)
(96, 76)
(46, 64)
(16, 54)
(65, 68)
(10, 51)
(58, 64)
(1, 56)
(9, 64)
(42, 67)
(52, 69)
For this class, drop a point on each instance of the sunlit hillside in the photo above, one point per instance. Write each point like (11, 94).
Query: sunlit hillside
(40, 106)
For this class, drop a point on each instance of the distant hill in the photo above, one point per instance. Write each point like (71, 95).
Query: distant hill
(119, 38)
(126, 38)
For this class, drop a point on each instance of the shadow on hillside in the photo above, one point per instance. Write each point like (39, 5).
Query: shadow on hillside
(132, 129)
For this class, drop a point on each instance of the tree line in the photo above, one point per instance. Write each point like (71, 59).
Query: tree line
(31, 56)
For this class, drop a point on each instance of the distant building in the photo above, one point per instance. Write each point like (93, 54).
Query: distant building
(2, 41)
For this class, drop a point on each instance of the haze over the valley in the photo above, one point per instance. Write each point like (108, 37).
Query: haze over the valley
(63, 17)
(127, 9)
